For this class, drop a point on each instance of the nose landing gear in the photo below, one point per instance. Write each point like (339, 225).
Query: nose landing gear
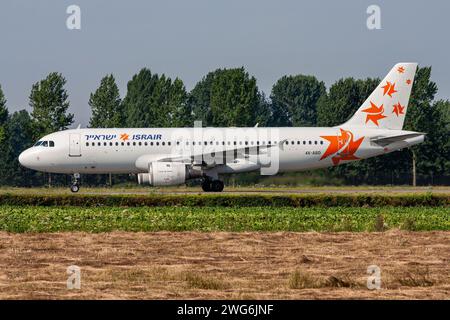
(75, 187)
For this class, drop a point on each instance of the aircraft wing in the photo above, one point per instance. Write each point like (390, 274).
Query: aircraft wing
(187, 156)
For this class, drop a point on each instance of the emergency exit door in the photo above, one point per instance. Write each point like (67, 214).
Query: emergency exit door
(74, 145)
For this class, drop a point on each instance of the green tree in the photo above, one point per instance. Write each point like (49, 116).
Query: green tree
(343, 99)
(107, 110)
(229, 97)
(443, 108)
(20, 137)
(3, 115)
(425, 116)
(156, 101)
(48, 99)
(294, 100)
(4, 163)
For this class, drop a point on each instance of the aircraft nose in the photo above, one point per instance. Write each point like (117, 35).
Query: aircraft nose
(25, 158)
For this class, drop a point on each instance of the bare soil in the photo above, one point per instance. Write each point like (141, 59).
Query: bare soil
(223, 265)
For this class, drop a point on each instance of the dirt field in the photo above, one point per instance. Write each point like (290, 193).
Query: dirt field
(193, 265)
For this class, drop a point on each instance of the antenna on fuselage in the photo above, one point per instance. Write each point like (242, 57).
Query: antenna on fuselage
(79, 127)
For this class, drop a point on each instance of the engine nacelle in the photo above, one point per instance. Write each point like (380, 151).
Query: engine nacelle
(164, 174)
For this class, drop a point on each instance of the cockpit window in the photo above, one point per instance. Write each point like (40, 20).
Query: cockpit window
(44, 144)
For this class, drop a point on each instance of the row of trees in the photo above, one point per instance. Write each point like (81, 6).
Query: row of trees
(230, 97)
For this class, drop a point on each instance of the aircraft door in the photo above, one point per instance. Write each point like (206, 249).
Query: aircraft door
(74, 145)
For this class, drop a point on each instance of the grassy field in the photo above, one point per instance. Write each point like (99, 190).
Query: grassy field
(260, 243)
(206, 219)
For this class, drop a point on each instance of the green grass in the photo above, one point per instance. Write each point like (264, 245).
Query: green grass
(228, 200)
(104, 219)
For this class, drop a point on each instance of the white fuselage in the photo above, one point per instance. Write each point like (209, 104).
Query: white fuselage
(131, 150)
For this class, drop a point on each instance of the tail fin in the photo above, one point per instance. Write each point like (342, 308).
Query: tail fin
(386, 106)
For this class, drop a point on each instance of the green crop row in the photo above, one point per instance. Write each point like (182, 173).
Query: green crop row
(227, 200)
(105, 219)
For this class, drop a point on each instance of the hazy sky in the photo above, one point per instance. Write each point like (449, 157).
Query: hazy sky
(189, 38)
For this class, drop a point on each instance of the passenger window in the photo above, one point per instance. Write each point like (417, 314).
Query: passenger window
(146, 143)
(117, 144)
(163, 143)
(157, 143)
(104, 143)
(128, 143)
(321, 142)
(310, 142)
(140, 143)
(122, 143)
(134, 143)
(315, 142)
(87, 144)
(99, 144)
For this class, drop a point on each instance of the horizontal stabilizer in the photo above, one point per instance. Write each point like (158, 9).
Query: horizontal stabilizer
(384, 141)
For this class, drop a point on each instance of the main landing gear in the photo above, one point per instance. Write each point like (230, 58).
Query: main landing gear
(75, 187)
(212, 185)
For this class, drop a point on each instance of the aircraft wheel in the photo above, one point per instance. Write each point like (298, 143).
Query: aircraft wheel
(217, 186)
(206, 185)
(74, 188)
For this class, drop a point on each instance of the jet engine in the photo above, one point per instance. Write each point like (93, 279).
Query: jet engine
(167, 174)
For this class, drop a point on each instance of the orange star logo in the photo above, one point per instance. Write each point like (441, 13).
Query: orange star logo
(374, 113)
(343, 147)
(408, 81)
(389, 89)
(401, 69)
(124, 137)
(398, 109)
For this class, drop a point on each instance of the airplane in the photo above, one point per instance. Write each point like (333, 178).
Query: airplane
(172, 156)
